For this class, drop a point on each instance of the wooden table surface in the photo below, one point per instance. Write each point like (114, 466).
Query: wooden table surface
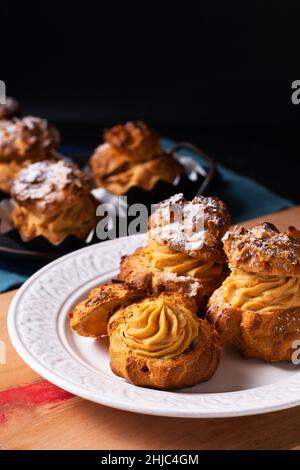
(35, 414)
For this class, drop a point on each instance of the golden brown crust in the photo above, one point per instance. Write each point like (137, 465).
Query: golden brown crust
(107, 162)
(10, 109)
(144, 175)
(90, 316)
(132, 156)
(137, 270)
(263, 249)
(193, 227)
(76, 220)
(29, 138)
(9, 171)
(135, 139)
(267, 336)
(195, 365)
(53, 199)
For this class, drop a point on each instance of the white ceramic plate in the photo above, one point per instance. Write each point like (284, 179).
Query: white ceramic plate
(38, 328)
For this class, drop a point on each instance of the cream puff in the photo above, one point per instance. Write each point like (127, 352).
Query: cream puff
(131, 155)
(257, 308)
(183, 253)
(22, 142)
(160, 343)
(53, 199)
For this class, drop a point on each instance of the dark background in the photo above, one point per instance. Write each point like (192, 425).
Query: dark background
(215, 73)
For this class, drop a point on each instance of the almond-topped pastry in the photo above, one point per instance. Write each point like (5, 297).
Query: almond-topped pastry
(160, 343)
(22, 142)
(257, 308)
(264, 249)
(10, 109)
(131, 155)
(136, 139)
(53, 199)
(184, 250)
(27, 138)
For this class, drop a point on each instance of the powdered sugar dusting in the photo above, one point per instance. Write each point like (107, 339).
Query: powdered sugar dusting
(193, 285)
(264, 240)
(44, 181)
(29, 137)
(264, 249)
(188, 225)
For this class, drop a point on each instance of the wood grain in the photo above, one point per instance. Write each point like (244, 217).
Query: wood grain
(74, 423)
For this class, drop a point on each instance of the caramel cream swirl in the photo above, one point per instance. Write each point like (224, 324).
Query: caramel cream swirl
(253, 291)
(164, 258)
(160, 328)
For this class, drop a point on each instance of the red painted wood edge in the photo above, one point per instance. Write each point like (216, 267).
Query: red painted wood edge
(2, 418)
(36, 394)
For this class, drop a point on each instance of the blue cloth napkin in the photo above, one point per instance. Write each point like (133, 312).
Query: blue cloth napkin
(245, 197)
(9, 280)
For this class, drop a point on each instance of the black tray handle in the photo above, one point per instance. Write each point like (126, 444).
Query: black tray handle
(210, 172)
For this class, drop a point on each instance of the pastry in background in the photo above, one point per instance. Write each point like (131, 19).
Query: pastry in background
(184, 254)
(160, 343)
(257, 308)
(131, 155)
(53, 199)
(10, 109)
(22, 142)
